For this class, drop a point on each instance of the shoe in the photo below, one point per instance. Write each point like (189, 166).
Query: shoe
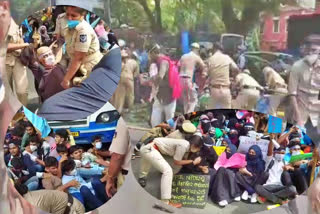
(237, 198)
(245, 195)
(223, 203)
(261, 200)
(143, 182)
(254, 198)
(176, 205)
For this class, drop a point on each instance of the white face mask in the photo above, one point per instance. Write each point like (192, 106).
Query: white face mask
(98, 145)
(296, 153)
(279, 157)
(73, 172)
(33, 148)
(50, 60)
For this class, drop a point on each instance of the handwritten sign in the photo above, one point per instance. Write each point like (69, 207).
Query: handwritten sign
(274, 124)
(247, 142)
(190, 190)
(219, 149)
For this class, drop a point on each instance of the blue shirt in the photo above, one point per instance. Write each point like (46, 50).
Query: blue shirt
(77, 177)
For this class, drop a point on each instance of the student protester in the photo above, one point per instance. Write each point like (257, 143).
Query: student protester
(152, 155)
(294, 175)
(51, 201)
(91, 195)
(33, 149)
(223, 188)
(61, 138)
(29, 131)
(252, 174)
(274, 190)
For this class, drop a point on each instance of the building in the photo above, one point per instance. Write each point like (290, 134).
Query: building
(274, 28)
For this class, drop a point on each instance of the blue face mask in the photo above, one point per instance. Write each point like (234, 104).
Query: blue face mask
(73, 23)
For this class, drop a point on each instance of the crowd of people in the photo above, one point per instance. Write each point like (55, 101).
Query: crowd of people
(275, 173)
(41, 168)
(62, 46)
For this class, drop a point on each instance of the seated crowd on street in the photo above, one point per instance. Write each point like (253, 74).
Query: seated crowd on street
(254, 166)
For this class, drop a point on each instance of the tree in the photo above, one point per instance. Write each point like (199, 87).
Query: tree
(153, 15)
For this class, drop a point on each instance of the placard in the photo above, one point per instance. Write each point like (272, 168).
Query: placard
(247, 142)
(219, 149)
(190, 190)
(274, 124)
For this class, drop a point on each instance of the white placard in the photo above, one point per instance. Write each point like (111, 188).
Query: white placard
(247, 142)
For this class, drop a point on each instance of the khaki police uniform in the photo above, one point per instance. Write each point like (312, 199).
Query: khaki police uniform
(173, 145)
(61, 31)
(219, 65)
(53, 201)
(152, 155)
(249, 92)
(124, 93)
(304, 84)
(121, 145)
(16, 71)
(188, 65)
(83, 39)
(278, 88)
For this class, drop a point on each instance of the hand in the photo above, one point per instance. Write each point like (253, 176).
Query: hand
(63, 158)
(26, 45)
(204, 169)
(87, 165)
(244, 171)
(111, 187)
(288, 168)
(74, 183)
(46, 175)
(197, 161)
(65, 84)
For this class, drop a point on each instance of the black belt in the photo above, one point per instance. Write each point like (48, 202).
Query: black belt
(250, 87)
(70, 203)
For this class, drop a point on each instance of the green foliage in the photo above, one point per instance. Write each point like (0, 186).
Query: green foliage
(21, 9)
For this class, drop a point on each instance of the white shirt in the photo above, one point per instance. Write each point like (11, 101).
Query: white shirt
(275, 172)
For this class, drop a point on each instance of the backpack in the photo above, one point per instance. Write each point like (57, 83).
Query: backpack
(173, 76)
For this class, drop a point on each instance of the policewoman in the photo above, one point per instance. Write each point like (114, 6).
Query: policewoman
(82, 44)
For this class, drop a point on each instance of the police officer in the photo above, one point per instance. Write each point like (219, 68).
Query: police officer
(82, 44)
(304, 89)
(276, 86)
(152, 155)
(121, 152)
(16, 71)
(249, 91)
(124, 93)
(189, 63)
(219, 67)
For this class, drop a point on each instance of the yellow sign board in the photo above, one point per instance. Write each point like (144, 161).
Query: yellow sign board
(219, 149)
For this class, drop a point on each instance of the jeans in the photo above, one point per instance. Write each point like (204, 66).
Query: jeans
(32, 183)
(39, 168)
(89, 200)
(296, 178)
(99, 189)
(88, 173)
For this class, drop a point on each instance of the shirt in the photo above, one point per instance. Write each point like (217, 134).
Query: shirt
(51, 183)
(77, 177)
(130, 69)
(175, 148)
(244, 79)
(188, 63)
(176, 135)
(304, 73)
(121, 143)
(14, 37)
(219, 68)
(275, 172)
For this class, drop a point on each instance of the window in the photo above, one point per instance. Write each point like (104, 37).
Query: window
(276, 25)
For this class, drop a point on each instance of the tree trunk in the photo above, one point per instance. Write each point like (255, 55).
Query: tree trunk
(107, 12)
(159, 28)
(155, 22)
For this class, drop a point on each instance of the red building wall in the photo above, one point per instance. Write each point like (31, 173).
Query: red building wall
(272, 41)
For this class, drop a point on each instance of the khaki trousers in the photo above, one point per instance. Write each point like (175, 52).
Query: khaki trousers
(124, 94)
(220, 98)
(189, 95)
(17, 77)
(247, 99)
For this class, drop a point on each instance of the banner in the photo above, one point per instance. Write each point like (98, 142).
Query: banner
(247, 142)
(274, 124)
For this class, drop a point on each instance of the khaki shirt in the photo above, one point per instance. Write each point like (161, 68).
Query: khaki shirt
(188, 63)
(82, 39)
(175, 148)
(51, 183)
(130, 69)
(61, 25)
(273, 79)
(176, 135)
(302, 85)
(121, 143)
(219, 65)
(14, 37)
(244, 79)
(53, 201)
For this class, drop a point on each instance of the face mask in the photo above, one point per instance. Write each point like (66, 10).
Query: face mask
(98, 145)
(73, 23)
(251, 157)
(279, 157)
(33, 148)
(233, 136)
(296, 153)
(50, 60)
(206, 127)
(73, 172)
